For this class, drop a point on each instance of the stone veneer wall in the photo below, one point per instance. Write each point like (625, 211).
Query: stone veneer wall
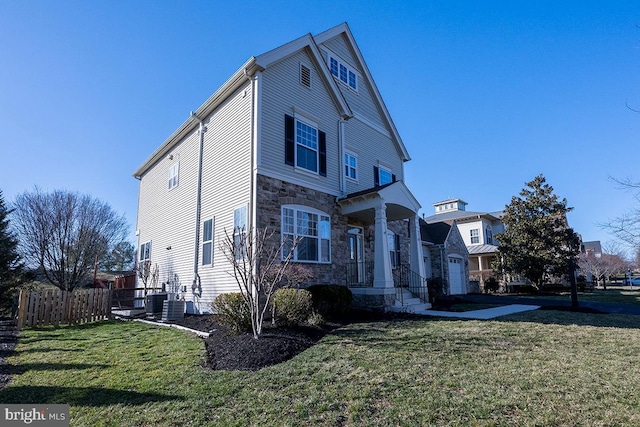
(272, 193)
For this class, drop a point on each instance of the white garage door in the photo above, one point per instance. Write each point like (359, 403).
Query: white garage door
(455, 277)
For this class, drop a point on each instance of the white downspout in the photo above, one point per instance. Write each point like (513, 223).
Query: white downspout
(252, 217)
(196, 287)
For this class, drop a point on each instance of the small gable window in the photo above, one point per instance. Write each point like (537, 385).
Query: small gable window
(343, 72)
(475, 236)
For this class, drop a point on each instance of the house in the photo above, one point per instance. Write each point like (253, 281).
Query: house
(478, 230)
(446, 259)
(298, 140)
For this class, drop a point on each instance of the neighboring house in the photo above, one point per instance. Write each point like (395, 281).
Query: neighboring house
(593, 248)
(445, 256)
(299, 140)
(478, 230)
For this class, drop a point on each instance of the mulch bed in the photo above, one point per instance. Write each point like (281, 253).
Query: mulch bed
(8, 342)
(229, 352)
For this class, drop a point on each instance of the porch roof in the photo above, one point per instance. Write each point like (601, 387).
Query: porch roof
(400, 202)
(482, 249)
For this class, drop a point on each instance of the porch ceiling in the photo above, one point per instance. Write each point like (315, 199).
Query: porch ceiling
(401, 204)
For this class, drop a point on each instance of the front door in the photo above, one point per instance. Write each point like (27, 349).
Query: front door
(355, 269)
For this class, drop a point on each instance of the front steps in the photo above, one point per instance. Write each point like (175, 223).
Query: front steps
(406, 302)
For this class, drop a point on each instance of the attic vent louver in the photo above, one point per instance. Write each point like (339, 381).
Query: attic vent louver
(305, 76)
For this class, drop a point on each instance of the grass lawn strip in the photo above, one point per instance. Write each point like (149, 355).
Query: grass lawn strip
(533, 368)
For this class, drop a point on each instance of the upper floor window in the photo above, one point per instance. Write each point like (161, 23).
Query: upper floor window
(350, 165)
(311, 229)
(173, 175)
(145, 251)
(305, 146)
(475, 236)
(382, 175)
(343, 72)
(207, 242)
(488, 234)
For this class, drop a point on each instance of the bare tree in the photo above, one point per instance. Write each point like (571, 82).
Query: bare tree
(602, 266)
(259, 261)
(62, 233)
(627, 226)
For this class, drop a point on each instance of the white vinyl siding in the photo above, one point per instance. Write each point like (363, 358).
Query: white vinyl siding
(360, 139)
(167, 218)
(279, 98)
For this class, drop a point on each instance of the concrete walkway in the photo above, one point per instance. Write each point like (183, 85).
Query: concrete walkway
(603, 307)
(487, 313)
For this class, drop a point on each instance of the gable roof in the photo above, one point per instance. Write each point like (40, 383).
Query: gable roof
(462, 216)
(263, 61)
(435, 233)
(344, 29)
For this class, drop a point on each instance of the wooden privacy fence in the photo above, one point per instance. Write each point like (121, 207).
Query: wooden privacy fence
(53, 306)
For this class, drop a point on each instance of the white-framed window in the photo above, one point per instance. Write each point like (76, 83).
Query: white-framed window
(343, 72)
(306, 146)
(384, 175)
(145, 251)
(207, 242)
(394, 248)
(475, 236)
(351, 165)
(311, 229)
(488, 236)
(174, 172)
(240, 231)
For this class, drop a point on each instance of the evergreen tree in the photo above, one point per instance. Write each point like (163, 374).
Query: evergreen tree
(537, 242)
(10, 262)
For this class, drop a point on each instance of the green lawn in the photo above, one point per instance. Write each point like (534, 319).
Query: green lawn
(537, 368)
(613, 294)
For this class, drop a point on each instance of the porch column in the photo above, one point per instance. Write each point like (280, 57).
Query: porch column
(416, 261)
(382, 277)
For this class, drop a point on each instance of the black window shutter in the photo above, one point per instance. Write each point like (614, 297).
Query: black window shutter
(393, 178)
(322, 153)
(376, 176)
(397, 242)
(289, 140)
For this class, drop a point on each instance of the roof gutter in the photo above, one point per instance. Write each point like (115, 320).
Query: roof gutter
(235, 81)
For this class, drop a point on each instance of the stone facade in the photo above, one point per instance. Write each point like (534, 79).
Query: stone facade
(273, 193)
(439, 257)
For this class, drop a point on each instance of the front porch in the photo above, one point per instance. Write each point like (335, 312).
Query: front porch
(379, 280)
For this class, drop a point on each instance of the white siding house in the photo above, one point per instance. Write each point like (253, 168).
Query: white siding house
(299, 140)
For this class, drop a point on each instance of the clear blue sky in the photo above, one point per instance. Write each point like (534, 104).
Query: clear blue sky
(486, 95)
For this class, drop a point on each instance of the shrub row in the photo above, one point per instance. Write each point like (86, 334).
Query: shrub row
(314, 305)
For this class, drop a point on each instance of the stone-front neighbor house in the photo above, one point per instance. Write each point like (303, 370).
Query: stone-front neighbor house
(478, 230)
(298, 139)
(446, 257)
